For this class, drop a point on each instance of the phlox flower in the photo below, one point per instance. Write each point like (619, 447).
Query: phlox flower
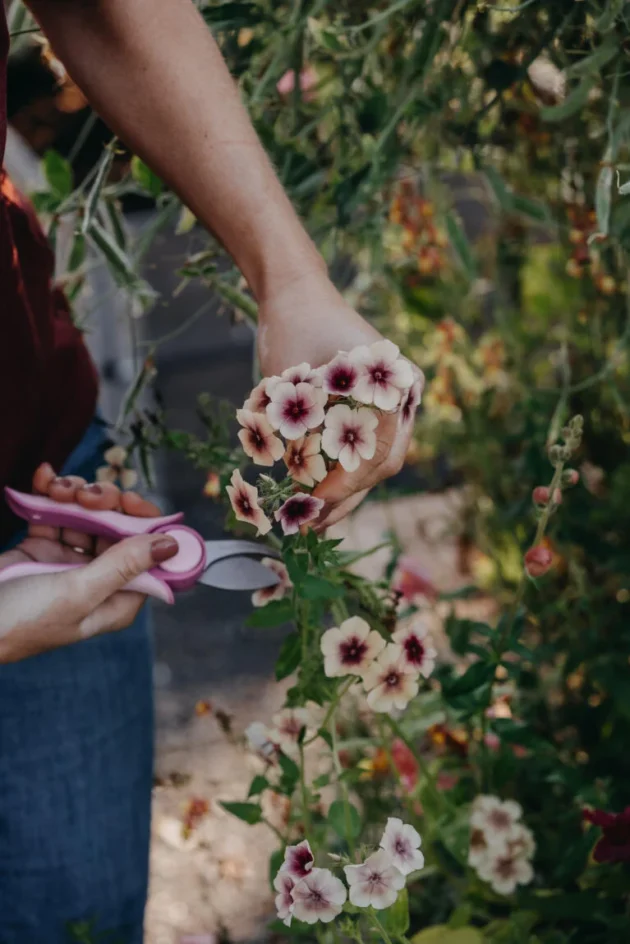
(418, 652)
(389, 682)
(304, 460)
(349, 435)
(267, 594)
(319, 896)
(284, 884)
(350, 648)
(301, 373)
(298, 860)
(402, 844)
(244, 501)
(259, 398)
(298, 510)
(287, 725)
(376, 883)
(258, 439)
(496, 818)
(383, 375)
(505, 871)
(411, 401)
(259, 740)
(295, 408)
(339, 377)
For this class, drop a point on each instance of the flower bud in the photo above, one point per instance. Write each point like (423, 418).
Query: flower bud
(538, 560)
(570, 477)
(541, 495)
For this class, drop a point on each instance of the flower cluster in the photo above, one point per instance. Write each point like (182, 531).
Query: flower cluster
(389, 671)
(501, 846)
(313, 419)
(313, 894)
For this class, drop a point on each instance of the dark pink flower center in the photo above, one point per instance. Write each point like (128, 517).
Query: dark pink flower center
(243, 504)
(380, 374)
(499, 820)
(375, 879)
(351, 435)
(301, 861)
(297, 508)
(296, 409)
(342, 379)
(256, 438)
(352, 651)
(409, 405)
(505, 868)
(414, 650)
(401, 847)
(392, 680)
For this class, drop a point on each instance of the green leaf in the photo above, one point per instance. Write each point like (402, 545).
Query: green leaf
(396, 917)
(572, 104)
(318, 588)
(478, 674)
(258, 785)
(272, 614)
(296, 564)
(144, 176)
(594, 63)
(232, 15)
(275, 861)
(442, 934)
(58, 174)
(321, 781)
(95, 190)
(77, 253)
(290, 655)
(344, 818)
(249, 812)
(533, 209)
(289, 768)
(460, 244)
(499, 188)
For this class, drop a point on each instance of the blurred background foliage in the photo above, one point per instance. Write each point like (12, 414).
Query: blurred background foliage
(466, 167)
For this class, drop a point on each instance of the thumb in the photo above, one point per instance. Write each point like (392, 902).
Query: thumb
(118, 566)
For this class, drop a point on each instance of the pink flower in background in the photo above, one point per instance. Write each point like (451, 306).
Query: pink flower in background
(418, 652)
(340, 376)
(496, 818)
(389, 681)
(267, 594)
(383, 375)
(304, 460)
(376, 883)
(538, 560)
(259, 398)
(298, 510)
(350, 648)
(295, 408)
(287, 725)
(308, 81)
(244, 501)
(614, 846)
(350, 435)
(402, 844)
(405, 763)
(259, 740)
(411, 401)
(319, 896)
(298, 860)
(257, 438)
(505, 871)
(284, 884)
(411, 581)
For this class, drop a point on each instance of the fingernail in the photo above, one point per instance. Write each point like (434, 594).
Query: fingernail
(163, 549)
(65, 483)
(93, 489)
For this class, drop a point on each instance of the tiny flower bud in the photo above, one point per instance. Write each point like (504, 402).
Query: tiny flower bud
(541, 495)
(538, 560)
(557, 454)
(570, 477)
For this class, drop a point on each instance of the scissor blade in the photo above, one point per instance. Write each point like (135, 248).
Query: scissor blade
(238, 573)
(217, 550)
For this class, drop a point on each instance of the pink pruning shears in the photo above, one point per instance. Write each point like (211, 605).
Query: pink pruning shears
(226, 565)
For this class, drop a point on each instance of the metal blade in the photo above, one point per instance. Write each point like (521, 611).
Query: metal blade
(217, 550)
(238, 573)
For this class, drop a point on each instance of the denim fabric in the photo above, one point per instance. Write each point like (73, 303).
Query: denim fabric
(76, 762)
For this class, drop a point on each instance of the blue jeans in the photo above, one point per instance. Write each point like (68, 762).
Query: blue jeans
(76, 767)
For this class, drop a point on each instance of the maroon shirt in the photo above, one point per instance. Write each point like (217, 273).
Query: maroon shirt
(48, 384)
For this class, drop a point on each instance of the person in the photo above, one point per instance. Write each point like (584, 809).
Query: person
(76, 721)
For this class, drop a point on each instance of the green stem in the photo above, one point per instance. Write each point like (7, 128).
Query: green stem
(342, 786)
(333, 705)
(386, 938)
(306, 813)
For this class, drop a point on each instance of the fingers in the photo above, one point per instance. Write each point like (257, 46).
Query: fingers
(134, 504)
(42, 478)
(99, 496)
(64, 488)
(118, 612)
(118, 566)
(337, 512)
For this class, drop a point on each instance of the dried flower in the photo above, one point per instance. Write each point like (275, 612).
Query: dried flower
(350, 648)
(304, 460)
(244, 501)
(116, 470)
(350, 435)
(376, 883)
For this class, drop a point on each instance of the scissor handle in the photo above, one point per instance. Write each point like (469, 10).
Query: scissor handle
(148, 583)
(178, 573)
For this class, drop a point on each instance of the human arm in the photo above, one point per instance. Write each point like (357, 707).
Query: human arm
(52, 610)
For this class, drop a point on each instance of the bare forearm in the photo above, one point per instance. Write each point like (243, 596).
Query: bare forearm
(153, 71)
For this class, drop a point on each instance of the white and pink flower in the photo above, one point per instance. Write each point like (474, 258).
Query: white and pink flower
(411, 401)
(244, 501)
(340, 376)
(304, 460)
(287, 725)
(320, 896)
(383, 375)
(301, 373)
(258, 439)
(505, 872)
(350, 435)
(496, 818)
(418, 652)
(376, 883)
(295, 408)
(478, 848)
(267, 594)
(259, 399)
(402, 844)
(259, 740)
(298, 860)
(284, 884)
(298, 510)
(350, 648)
(389, 681)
